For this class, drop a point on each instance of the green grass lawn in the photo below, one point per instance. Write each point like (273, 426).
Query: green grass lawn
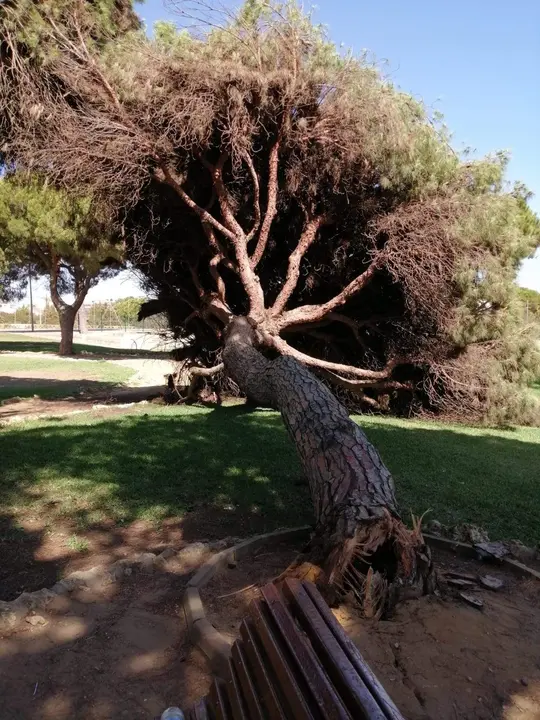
(86, 375)
(163, 462)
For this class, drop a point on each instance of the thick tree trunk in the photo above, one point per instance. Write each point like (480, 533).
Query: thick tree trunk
(359, 538)
(67, 323)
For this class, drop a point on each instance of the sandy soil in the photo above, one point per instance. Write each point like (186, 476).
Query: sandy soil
(439, 659)
(117, 651)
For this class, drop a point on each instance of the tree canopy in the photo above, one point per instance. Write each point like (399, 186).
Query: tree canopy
(51, 232)
(255, 170)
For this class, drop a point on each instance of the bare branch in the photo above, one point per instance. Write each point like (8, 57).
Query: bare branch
(312, 313)
(307, 238)
(167, 175)
(58, 302)
(196, 281)
(285, 349)
(206, 371)
(358, 385)
(271, 204)
(256, 197)
(235, 233)
(223, 196)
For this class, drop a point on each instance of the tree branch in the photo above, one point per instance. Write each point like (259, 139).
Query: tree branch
(293, 271)
(214, 262)
(167, 175)
(196, 373)
(285, 349)
(358, 385)
(256, 198)
(250, 281)
(223, 196)
(312, 313)
(196, 281)
(271, 204)
(82, 292)
(57, 301)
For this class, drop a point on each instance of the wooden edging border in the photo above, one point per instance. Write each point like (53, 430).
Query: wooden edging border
(204, 635)
(466, 550)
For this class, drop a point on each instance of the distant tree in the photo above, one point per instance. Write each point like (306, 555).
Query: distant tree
(128, 309)
(57, 235)
(530, 300)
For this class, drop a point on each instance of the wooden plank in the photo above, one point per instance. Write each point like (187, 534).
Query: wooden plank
(291, 690)
(354, 655)
(262, 677)
(234, 692)
(307, 665)
(218, 701)
(249, 691)
(350, 686)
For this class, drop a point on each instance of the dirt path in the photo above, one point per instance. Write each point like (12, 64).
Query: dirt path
(121, 650)
(147, 371)
(149, 375)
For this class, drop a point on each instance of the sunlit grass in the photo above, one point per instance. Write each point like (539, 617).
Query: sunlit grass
(165, 462)
(61, 377)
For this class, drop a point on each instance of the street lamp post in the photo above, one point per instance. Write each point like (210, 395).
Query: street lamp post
(31, 300)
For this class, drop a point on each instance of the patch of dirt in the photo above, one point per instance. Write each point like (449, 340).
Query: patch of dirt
(116, 651)
(227, 596)
(439, 659)
(147, 370)
(98, 404)
(35, 555)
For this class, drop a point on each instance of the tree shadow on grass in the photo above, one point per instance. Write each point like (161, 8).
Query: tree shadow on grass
(200, 475)
(51, 389)
(206, 474)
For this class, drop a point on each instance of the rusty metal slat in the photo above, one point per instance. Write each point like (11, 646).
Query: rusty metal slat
(234, 692)
(319, 685)
(248, 690)
(218, 700)
(343, 674)
(291, 689)
(354, 655)
(264, 682)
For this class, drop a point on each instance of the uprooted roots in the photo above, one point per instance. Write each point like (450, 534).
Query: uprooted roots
(383, 563)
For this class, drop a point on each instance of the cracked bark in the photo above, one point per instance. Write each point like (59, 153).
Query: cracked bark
(359, 540)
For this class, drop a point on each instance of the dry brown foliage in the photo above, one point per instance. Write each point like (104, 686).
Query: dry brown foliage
(254, 171)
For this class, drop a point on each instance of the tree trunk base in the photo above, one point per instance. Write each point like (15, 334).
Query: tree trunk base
(383, 564)
(360, 544)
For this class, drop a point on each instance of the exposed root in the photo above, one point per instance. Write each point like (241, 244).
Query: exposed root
(382, 562)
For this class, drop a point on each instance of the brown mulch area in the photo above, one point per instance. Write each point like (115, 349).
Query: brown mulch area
(122, 651)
